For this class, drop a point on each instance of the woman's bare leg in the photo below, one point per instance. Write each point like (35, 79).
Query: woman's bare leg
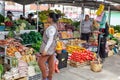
(51, 66)
(42, 65)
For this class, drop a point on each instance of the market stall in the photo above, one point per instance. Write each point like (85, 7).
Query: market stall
(70, 48)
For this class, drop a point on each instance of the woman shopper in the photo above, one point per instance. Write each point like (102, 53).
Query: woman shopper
(47, 49)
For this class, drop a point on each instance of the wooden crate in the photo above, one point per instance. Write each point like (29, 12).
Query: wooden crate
(77, 64)
(23, 78)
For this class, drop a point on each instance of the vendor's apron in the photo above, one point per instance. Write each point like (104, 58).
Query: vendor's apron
(51, 49)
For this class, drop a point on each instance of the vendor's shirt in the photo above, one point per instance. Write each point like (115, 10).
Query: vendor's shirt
(86, 26)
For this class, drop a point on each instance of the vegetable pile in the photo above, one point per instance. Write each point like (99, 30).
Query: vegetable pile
(82, 56)
(33, 38)
(24, 25)
(1, 19)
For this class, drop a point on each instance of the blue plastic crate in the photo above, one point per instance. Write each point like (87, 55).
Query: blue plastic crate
(2, 28)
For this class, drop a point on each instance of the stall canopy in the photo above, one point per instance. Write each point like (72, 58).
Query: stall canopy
(115, 1)
(23, 2)
(87, 3)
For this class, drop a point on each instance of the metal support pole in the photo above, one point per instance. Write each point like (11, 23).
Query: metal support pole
(37, 15)
(109, 15)
(82, 16)
(4, 7)
(63, 8)
(23, 10)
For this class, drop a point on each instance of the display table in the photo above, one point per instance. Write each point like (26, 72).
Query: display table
(3, 33)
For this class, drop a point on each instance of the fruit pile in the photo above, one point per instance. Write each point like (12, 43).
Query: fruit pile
(59, 45)
(66, 34)
(82, 56)
(14, 46)
(43, 15)
(71, 49)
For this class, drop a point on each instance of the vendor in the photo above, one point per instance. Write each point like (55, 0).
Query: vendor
(86, 28)
(30, 19)
(47, 49)
(9, 15)
(102, 38)
(22, 17)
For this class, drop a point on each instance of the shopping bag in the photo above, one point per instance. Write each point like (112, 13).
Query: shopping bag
(103, 22)
(99, 18)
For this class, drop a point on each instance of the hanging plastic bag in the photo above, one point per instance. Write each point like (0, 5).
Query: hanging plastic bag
(103, 22)
(100, 9)
(99, 18)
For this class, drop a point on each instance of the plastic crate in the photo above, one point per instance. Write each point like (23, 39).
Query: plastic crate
(2, 28)
(63, 57)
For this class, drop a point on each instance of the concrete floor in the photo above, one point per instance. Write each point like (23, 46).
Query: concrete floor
(110, 71)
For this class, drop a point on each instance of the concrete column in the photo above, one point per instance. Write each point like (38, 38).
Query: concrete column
(2, 7)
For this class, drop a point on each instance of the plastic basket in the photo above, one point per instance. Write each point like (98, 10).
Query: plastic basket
(2, 28)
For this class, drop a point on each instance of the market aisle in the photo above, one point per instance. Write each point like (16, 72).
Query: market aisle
(111, 71)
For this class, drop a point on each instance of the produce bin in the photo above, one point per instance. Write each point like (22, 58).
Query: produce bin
(2, 28)
(63, 57)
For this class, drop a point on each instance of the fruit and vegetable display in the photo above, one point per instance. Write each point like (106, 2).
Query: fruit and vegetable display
(33, 38)
(65, 34)
(95, 25)
(1, 19)
(117, 35)
(75, 42)
(21, 59)
(8, 22)
(76, 25)
(43, 15)
(24, 25)
(59, 45)
(11, 34)
(117, 28)
(66, 20)
(82, 56)
(111, 30)
(71, 48)
(1, 71)
(14, 48)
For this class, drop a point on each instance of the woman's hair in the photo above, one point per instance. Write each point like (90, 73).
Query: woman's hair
(31, 14)
(54, 16)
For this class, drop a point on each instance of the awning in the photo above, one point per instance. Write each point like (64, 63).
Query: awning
(115, 1)
(78, 3)
(23, 2)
